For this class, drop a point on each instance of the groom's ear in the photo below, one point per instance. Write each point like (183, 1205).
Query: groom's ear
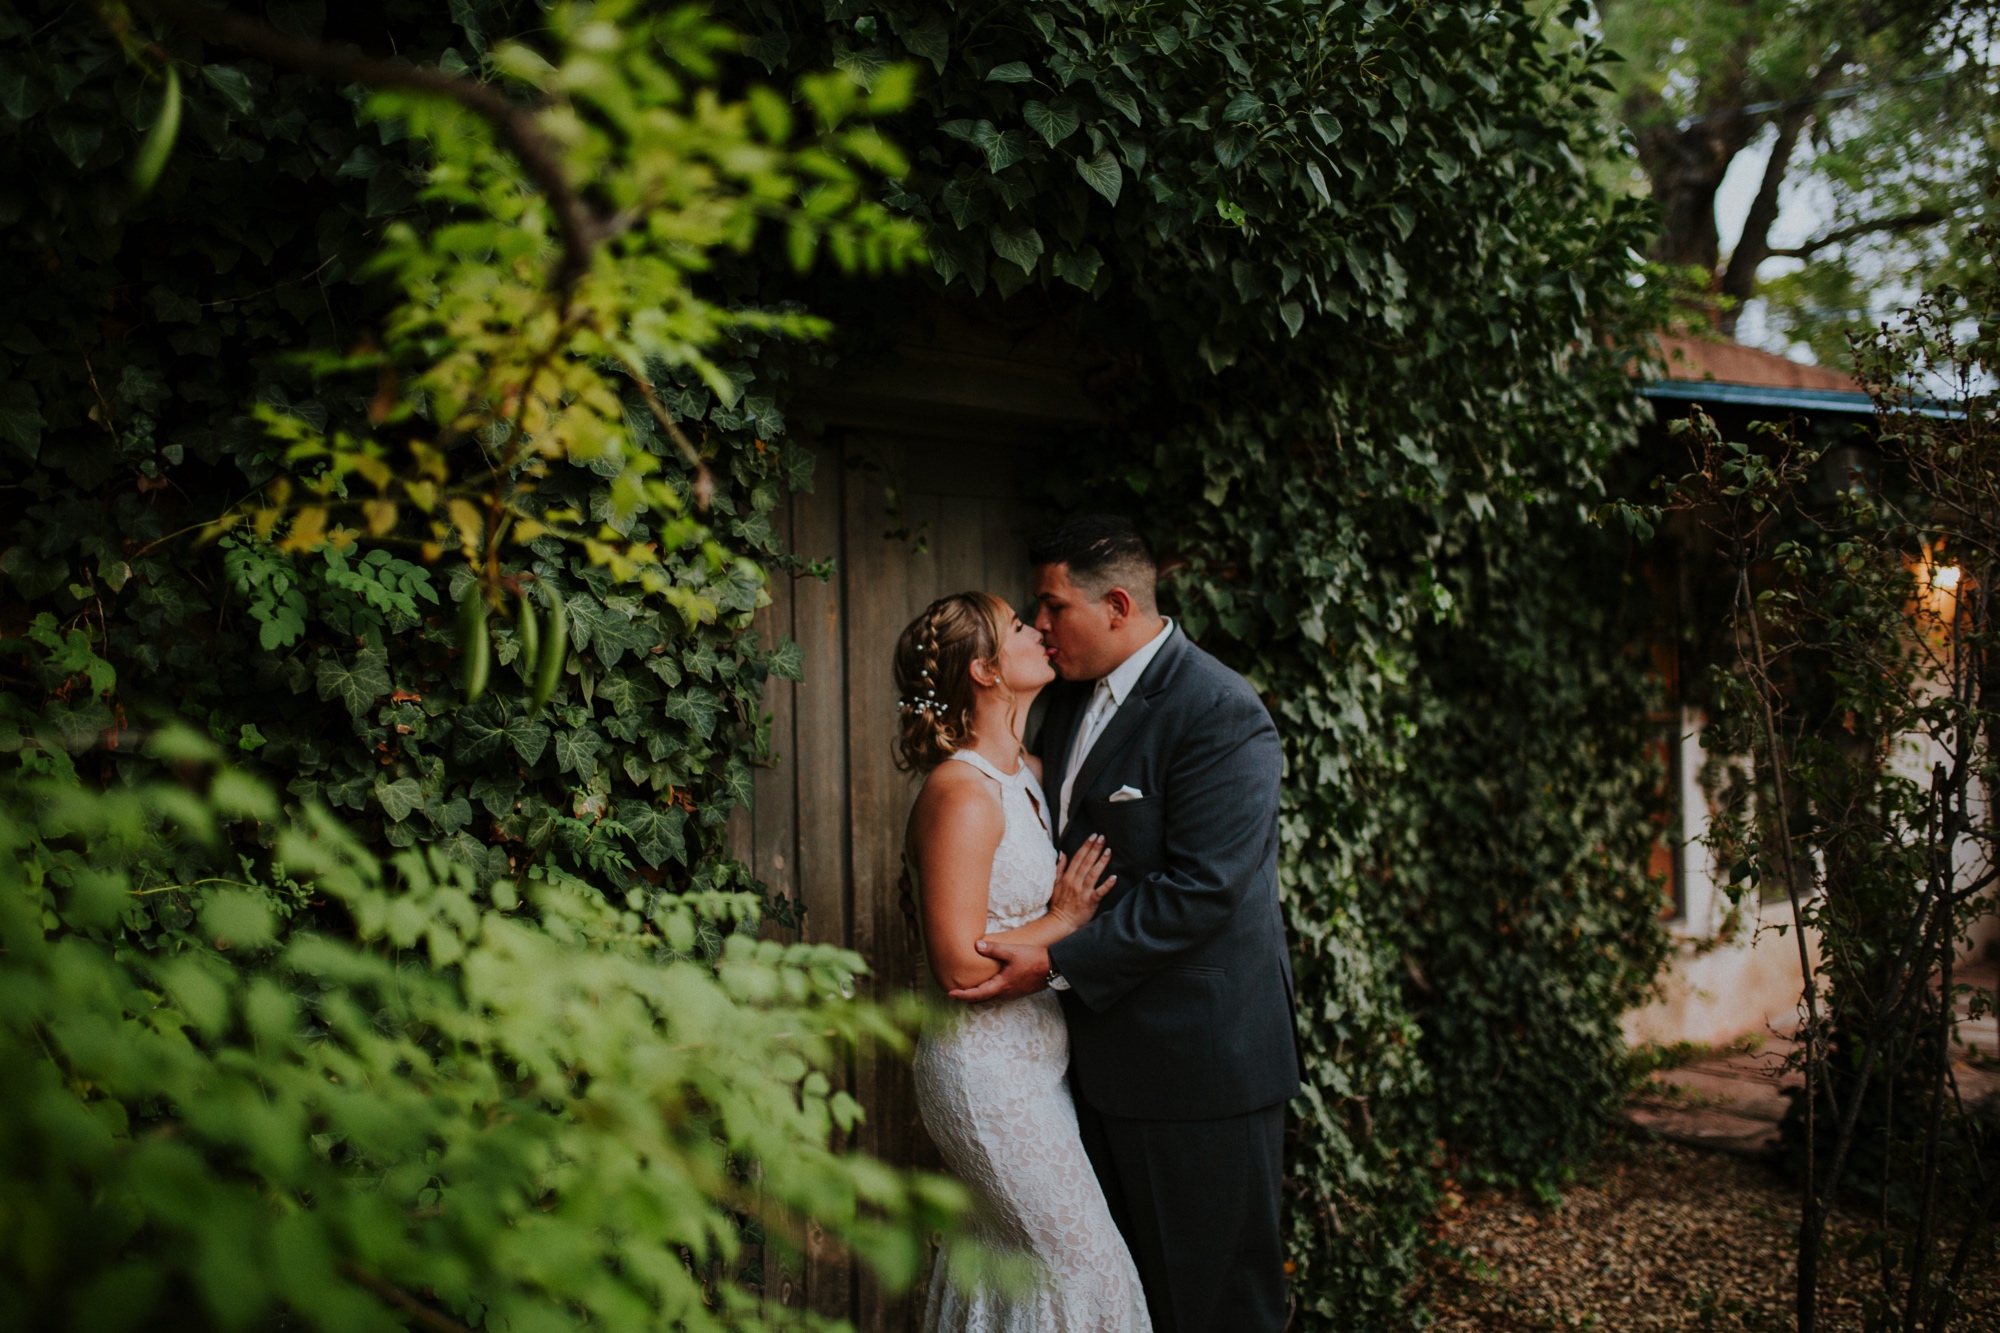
(1119, 603)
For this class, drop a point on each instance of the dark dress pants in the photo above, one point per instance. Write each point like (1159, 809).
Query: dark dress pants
(1197, 1201)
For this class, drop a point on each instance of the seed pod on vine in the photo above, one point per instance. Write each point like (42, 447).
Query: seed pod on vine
(530, 631)
(555, 651)
(475, 642)
(158, 145)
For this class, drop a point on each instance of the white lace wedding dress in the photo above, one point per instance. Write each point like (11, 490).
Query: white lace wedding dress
(992, 1090)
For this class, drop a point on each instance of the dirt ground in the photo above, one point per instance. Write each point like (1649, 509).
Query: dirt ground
(1656, 1237)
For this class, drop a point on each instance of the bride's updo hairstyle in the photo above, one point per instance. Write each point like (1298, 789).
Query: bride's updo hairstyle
(934, 674)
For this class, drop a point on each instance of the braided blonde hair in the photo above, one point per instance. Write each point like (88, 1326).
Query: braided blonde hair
(934, 660)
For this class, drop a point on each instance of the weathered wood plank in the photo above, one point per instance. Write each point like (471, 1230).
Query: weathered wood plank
(959, 545)
(763, 836)
(827, 820)
(887, 583)
(774, 795)
(1006, 543)
(820, 790)
(820, 711)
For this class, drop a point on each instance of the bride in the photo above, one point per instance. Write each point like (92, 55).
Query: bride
(991, 1078)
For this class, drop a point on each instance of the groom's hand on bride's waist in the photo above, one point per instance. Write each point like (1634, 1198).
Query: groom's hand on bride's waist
(1024, 969)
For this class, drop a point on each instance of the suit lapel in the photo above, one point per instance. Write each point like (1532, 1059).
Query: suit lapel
(1131, 715)
(1124, 725)
(1058, 734)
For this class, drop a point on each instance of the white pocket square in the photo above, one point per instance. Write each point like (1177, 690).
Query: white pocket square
(1126, 794)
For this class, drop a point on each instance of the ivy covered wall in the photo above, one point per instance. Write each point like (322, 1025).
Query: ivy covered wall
(1364, 301)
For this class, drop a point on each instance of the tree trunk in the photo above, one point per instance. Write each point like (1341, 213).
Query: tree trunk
(1686, 167)
(1685, 159)
(1739, 280)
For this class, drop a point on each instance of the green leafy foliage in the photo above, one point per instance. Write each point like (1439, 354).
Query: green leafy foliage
(1531, 922)
(269, 1075)
(1362, 300)
(1857, 689)
(1881, 116)
(341, 655)
(351, 1091)
(1363, 294)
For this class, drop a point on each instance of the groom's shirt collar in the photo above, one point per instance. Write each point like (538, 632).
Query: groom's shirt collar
(1123, 677)
(1098, 712)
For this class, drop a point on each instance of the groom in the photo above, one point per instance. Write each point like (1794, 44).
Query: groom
(1179, 993)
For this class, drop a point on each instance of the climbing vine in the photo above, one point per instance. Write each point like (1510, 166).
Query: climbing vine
(1362, 301)
(1359, 300)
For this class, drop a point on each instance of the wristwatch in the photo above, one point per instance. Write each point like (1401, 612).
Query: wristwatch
(1057, 981)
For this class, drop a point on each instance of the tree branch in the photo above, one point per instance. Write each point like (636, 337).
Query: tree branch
(1739, 280)
(1923, 217)
(395, 1295)
(578, 228)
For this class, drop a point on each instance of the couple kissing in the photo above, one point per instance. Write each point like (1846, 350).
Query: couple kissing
(1102, 911)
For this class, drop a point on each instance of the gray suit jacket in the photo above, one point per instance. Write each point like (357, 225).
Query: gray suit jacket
(1180, 1005)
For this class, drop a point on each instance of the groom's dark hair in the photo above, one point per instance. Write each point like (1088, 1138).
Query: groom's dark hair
(1103, 551)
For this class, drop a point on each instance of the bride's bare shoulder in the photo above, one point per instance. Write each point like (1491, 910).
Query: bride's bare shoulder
(959, 798)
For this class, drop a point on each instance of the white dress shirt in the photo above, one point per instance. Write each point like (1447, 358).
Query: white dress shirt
(1103, 706)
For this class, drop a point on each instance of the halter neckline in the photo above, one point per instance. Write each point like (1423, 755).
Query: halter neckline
(987, 766)
(1022, 780)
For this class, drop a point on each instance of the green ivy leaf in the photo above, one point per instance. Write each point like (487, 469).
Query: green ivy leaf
(607, 631)
(528, 735)
(1054, 122)
(21, 422)
(390, 192)
(1102, 174)
(1014, 71)
(497, 792)
(399, 798)
(1020, 246)
(1002, 149)
(32, 575)
(930, 39)
(20, 95)
(478, 734)
(78, 139)
(1233, 145)
(453, 815)
(1079, 268)
(232, 83)
(738, 780)
(78, 726)
(1119, 100)
(694, 706)
(362, 163)
(576, 751)
(1318, 178)
(657, 833)
(1245, 106)
(626, 692)
(357, 685)
(788, 661)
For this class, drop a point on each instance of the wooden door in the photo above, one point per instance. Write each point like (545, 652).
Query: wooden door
(905, 519)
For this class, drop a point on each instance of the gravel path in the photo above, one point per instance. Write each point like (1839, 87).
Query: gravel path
(1658, 1237)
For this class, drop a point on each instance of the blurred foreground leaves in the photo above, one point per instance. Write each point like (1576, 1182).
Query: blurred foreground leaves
(523, 1104)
